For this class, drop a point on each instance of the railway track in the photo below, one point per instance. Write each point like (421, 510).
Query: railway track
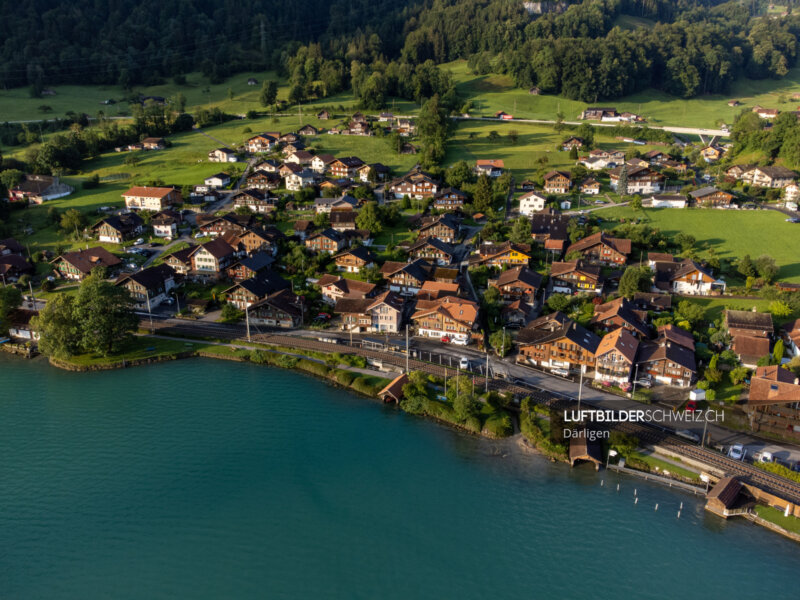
(647, 432)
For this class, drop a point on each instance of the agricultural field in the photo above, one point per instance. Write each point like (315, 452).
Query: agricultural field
(492, 93)
(730, 233)
(17, 105)
(470, 141)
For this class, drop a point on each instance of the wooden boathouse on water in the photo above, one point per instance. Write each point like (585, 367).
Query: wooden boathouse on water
(394, 391)
(584, 449)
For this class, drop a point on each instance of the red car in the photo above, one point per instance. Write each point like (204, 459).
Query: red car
(445, 339)
(323, 316)
(691, 406)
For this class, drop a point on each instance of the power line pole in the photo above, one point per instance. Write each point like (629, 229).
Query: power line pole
(247, 319)
(408, 349)
(486, 374)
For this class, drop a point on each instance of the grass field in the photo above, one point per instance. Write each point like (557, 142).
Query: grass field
(17, 105)
(731, 233)
(492, 93)
(774, 515)
(658, 465)
(534, 143)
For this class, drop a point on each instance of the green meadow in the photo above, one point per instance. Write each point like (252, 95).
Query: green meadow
(492, 93)
(730, 233)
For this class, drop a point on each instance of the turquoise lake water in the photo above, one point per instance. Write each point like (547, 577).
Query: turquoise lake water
(209, 479)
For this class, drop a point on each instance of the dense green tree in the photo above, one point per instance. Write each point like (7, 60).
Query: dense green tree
(415, 393)
(635, 279)
(269, 93)
(10, 178)
(105, 315)
(72, 221)
(483, 198)
(500, 342)
(369, 217)
(766, 267)
(746, 266)
(59, 329)
(521, 231)
(10, 299)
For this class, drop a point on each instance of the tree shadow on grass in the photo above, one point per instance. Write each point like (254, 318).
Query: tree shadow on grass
(790, 271)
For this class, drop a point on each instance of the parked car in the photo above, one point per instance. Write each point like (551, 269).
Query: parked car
(324, 315)
(765, 457)
(560, 372)
(793, 220)
(463, 363)
(644, 382)
(445, 339)
(736, 452)
(139, 242)
(691, 406)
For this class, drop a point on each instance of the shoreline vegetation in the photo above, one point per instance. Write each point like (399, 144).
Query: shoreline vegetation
(489, 419)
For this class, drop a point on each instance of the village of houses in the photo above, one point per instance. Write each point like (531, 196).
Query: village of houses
(427, 284)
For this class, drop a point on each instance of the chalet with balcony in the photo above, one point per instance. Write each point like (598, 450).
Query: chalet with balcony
(116, 229)
(446, 227)
(415, 184)
(282, 309)
(79, 264)
(621, 313)
(557, 182)
(345, 167)
(449, 199)
(151, 198)
(251, 266)
(506, 253)
(334, 287)
(601, 249)
(329, 240)
(615, 357)
(492, 167)
(213, 225)
(263, 180)
(354, 260)
(180, 260)
(321, 163)
(343, 220)
(669, 359)
(246, 293)
(451, 317)
(769, 177)
(518, 283)
(712, 197)
(148, 287)
(383, 314)
(434, 250)
(222, 155)
(406, 278)
(211, 259)
(262, 143)
(557, 343)
(576, 276)
(255, 200)
(641, 180)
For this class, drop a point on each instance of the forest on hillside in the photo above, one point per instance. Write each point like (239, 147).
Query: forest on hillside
(377, 48)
